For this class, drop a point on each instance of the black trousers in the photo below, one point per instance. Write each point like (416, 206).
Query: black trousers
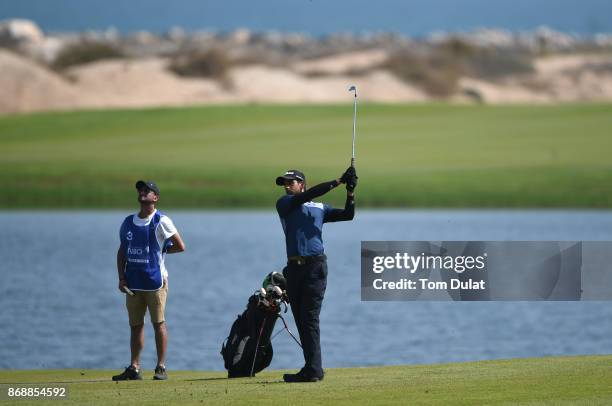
(306, 287)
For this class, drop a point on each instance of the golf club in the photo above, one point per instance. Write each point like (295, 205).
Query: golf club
(263, 323)
(288, 331)
(353, 88)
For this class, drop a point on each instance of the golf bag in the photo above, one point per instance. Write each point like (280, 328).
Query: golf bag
(248, 348)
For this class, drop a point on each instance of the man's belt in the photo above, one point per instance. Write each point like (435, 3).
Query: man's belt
(299, 260)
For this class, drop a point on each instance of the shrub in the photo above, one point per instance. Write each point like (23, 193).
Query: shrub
(85, 52)
(493, 64)
(486, 62)
(435, 73)
(213, 64)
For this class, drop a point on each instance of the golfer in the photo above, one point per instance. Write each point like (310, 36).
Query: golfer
(306, 270)
(145, 239)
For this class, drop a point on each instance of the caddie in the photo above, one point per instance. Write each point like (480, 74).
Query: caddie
(146, 237)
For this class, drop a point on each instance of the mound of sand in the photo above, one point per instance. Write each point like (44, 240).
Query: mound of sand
(261, 83)
(577, 77)
(567, 78)
(148, 82)
(141, 82)
(346, 62)
(27, 86)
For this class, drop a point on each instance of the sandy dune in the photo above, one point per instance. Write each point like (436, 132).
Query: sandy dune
(567, 78)
(26, 86)
(143, 82)
(261, 83)
(146, 82)
(338, 64)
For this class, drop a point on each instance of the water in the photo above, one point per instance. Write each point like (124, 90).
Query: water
(414, 17)
(61, 307)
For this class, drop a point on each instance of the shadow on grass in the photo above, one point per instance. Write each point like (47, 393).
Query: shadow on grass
(55, 382)
(206, 379)
(265, 382)
(246, 381)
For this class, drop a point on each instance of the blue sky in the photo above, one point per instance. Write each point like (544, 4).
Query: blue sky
(413, 17)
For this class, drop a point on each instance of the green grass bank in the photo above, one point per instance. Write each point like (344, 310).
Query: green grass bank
(433, 155)
(582, 380)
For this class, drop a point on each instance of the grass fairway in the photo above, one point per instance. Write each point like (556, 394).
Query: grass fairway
(581, 380)
(228, 156)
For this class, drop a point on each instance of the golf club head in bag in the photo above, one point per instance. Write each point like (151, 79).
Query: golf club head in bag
(275, 286)
(275, 279)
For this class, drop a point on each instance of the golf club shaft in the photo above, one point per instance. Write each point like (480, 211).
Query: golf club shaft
(354, 128)
(263, 323)
(289, 331)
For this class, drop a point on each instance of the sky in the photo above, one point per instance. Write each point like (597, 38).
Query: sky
(316, 17)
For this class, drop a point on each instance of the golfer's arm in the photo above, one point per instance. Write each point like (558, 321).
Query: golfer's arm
(121, 260)
(313, 192)
(346, 214)
(177, 244)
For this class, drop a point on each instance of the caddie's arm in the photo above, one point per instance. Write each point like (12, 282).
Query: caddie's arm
(121, 261)
(177, 244)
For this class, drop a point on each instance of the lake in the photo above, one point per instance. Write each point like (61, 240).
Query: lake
(61, 307)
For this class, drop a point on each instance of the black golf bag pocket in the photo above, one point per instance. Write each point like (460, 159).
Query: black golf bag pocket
(248, 349)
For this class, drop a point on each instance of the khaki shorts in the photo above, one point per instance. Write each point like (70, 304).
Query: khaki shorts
(155, 301)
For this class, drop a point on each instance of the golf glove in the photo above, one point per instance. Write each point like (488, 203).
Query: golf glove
(350, 178)
(348, 174)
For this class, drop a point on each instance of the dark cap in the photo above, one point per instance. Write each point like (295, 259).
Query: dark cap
(291, 174)
(148, 184)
